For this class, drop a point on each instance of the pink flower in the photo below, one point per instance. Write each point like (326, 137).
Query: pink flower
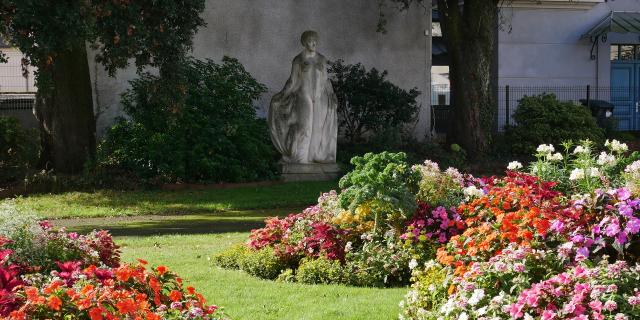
(596, 305)
(610, 305)
(548, 315)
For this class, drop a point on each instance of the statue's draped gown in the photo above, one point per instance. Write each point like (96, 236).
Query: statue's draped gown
(302, 117)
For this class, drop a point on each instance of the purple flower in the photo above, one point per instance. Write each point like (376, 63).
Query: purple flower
(612, 229)
(623, 194)
(625, 210)
(582, 253)
(633, 226)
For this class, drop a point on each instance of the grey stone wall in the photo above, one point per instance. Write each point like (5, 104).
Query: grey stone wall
(544, 47)
(264, 35)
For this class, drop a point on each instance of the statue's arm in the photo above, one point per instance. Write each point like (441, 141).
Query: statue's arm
(294, 80)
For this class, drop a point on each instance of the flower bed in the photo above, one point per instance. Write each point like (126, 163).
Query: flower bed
(48, 273)
(558, 239)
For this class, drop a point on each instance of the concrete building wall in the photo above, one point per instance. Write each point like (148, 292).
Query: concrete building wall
(11, 76)
(544, 47)
(264, 35)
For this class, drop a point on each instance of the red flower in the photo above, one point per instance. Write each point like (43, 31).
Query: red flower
(161, 270)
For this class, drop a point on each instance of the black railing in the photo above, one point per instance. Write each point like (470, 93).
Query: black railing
(12, 101)
(508, 99)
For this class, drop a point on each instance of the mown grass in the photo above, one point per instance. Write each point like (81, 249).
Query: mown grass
(246, 297)
(110, 203)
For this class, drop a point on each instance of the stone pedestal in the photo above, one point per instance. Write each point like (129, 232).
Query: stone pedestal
(310, 171)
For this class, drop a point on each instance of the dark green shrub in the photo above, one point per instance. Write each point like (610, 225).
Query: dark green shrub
(544, 119)
(18, 150)
(203, 127)
(232, 257)
(368, 102)
(416, 151)
(262, 263)
(319, 270)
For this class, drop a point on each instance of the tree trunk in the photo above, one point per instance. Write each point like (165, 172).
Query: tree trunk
(469, 32)
(65, 112)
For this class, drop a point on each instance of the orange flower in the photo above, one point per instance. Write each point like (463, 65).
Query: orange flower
(17, 315)
(95, 314)
(33, 296)
(142, 262)
(54, 303)
(451, 290)
(175, 295)
(124, 273)
(126, 306)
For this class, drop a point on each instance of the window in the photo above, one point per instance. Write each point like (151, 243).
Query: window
(615, 52)
(625, 52)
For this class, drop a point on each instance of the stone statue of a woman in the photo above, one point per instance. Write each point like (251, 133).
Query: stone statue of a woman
(302, 117)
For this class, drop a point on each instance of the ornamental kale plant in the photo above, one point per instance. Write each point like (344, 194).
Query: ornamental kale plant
(386, 183)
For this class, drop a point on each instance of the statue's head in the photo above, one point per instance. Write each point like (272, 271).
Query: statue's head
(309, 40)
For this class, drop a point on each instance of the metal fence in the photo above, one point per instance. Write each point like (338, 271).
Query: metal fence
(19, 105)
(508, 99)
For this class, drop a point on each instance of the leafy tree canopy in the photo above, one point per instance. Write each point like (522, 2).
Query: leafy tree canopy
(152, 32)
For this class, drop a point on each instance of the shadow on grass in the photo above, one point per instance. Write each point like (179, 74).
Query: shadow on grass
(182, 202)
(195, 226)
(227, 222)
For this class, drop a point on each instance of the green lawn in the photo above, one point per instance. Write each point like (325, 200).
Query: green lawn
(247, 297)
(109, 203)
(183, 229)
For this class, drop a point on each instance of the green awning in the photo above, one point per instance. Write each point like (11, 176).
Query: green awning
(616, 21)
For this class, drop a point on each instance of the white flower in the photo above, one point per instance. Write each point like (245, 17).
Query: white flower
(527, 317)
(594, 172)
(581, 149)
(348, 246)
(606, 159)
(413, 264)
(576, 174)
(633, 167)
(498, 299)
(514, 165)
(477, 295)
(616, 146)
(448, 307)
(472, 192)
(482, 311)
(555, 157)
(545, 148)
(463, 316)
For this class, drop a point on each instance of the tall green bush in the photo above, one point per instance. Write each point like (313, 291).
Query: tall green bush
(544, 119)
(369, 104)
(18, 150)
(207, 132)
